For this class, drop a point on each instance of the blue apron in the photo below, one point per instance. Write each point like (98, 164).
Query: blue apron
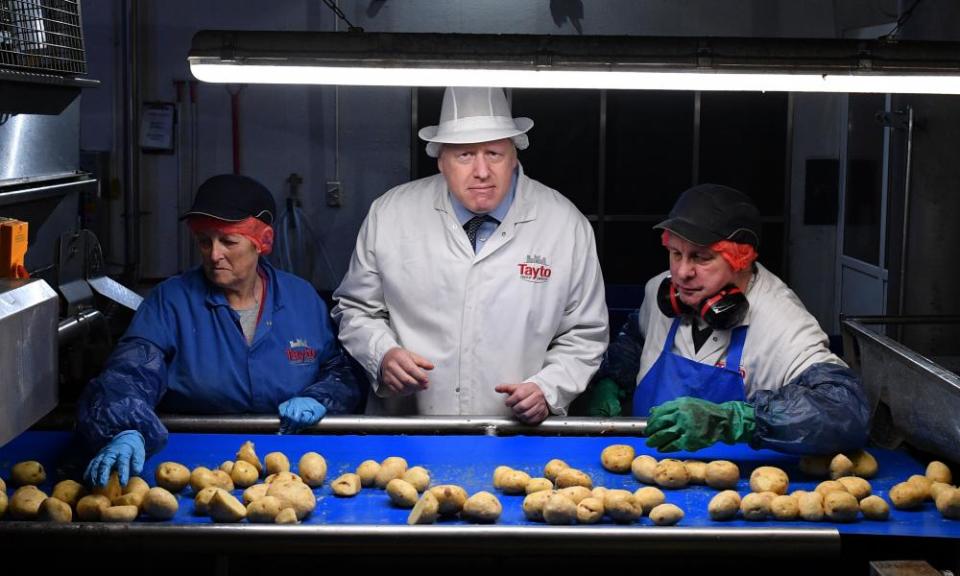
(673, 376)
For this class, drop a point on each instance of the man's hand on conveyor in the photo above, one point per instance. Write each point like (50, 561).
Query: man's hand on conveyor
(527, 401)
(125, 454)
(691, 424)
(403, 372)
(300, 412)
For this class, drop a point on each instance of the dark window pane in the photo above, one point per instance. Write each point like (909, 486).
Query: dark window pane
(649, 150)
(428, 114)
(743, 139)
(632, 253)
(861, 233)
(771, 247)
(564, 141)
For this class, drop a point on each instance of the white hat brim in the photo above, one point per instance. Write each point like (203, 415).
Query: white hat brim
(429, 133)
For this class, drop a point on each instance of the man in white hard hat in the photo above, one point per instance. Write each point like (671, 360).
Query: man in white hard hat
(476, 291)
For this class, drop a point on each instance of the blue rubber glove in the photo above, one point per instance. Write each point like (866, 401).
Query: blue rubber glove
(298, 413)
(125, 454)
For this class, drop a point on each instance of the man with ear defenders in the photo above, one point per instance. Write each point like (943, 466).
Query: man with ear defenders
(722, 350)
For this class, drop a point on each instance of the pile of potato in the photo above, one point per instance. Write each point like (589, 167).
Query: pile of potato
(860, 463)
(840, 500)
(936, 484)
(451, 500)
(673, 474)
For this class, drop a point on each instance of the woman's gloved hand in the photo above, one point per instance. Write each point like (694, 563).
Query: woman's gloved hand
(690, 424)
(298, 413)
(605, 399)
(125, 454)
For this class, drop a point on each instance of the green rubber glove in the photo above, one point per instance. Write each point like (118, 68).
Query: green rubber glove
(604, 399)
(690, 424)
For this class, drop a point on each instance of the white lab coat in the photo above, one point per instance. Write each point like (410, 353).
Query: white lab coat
(529, 307)
(783, 339)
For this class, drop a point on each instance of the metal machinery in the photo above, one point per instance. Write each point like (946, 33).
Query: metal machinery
(42, 188)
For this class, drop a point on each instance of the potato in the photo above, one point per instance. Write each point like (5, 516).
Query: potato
(624, 509)
(874, 508)
(425, 511)
(558, 509)
(696, 471)
(282, 477)
(755, 506)
(3, 486)
(69, 491)
(666, 515)
(346, 485)
(906, 495)
(4, 502)
(857, 486)
(53, 510)
(939, 472)
(172, 476)
(367, 471)
(265, 510)
(936, 488)
(617, 458)
(243, 474)
(227, 466)
(575, 493)
(450, 498)
(643, 468)
(924, 485)
(671, 473)
(948, 503)
(785, 508)
(390, 468)
(201, 502)
(722, 474)
(798, 493)
(249, 455)
(402, 493)
(200, 478)
(841, 506)
(136, 485)
(287, 516)
(418, 476)
(598, 492)
(482, 507)
(864, 464)
(90, 508)
(553, 468)
(573, 477)
(533, 504)
(498, 474)
(276, 462)
(112, 488)
(313, 469)
(828, 486)
(613, 494)
(224, 507)
(130, 499)
(724, 506)
(255, 492)
(296, 495)
(159, 503)
(590, 510)
(811, 506)
(841, 466)
(25, 502)
(769, 479)
(514, 482)
(27, 473)
(120, 514)
(538, 484)
(649, 497)
(818, 466)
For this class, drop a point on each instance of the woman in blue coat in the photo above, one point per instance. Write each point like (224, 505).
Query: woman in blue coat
(234, 335)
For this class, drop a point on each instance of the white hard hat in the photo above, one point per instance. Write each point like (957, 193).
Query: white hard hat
(470, 115)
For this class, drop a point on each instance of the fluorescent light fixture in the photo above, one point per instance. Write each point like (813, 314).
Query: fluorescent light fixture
(605, 62)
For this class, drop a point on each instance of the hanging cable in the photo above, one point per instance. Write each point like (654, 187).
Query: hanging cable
(903, 19)
(332, 5)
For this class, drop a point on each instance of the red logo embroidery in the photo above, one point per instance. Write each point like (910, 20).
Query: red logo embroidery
(534, 272)
(300, 353)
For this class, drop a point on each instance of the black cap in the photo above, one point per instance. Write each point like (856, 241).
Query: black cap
(233, 198)
(709, 213)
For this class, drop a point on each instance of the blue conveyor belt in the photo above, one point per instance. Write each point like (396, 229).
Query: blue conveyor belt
(469, 461)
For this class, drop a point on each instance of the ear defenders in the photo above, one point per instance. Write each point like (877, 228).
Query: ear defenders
(722, 311)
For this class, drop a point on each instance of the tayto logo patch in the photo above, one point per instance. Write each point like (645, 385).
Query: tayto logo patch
(300, 353)
(535, 269)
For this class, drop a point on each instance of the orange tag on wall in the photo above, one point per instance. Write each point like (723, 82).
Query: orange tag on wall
(13, 248)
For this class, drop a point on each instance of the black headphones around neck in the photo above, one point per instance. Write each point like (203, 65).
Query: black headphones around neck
(722, 311)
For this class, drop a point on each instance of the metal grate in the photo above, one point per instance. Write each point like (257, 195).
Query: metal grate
(42, 36)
